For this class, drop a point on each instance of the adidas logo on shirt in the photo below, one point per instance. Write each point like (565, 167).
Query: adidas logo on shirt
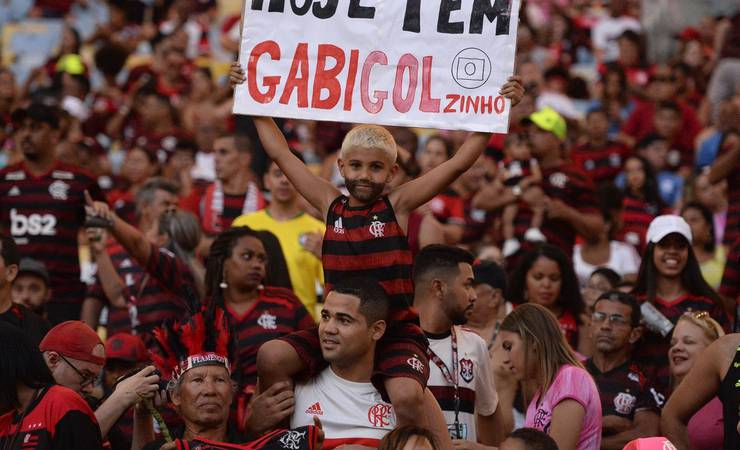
(315, 410)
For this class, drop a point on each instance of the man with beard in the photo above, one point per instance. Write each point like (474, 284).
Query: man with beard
(31, 286)
(628, 403)
(42, 207)
(460, 377)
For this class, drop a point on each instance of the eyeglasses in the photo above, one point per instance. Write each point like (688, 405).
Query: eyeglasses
(614, 319)
(86, 380)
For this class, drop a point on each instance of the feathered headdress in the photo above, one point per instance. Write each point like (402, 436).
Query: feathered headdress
(201, 340)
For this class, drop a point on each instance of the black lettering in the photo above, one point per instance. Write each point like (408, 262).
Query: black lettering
(357, 11)
(257, 5)
(500, 11)
(443, 21)
(411, 20)
(326, 11)
(300, 10)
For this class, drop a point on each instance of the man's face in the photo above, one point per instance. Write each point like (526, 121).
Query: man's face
(73, 373)
(114, 369)
(203, 396)
(344, 333)
(543, 142)
(281, 189)
(611, 327)
(36, 139)
(656, 154)
(667, 122)
(487, 300)
(597, 125)
(459, 295)
(228, 159)
(366, 171)
(31, 291)
(162, 202)
(7, 272)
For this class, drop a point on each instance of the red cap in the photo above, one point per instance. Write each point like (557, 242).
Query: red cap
(690, 34)
(73, 339)
(653, 443)
(126, 347)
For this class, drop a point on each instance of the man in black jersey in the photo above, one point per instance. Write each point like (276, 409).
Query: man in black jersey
(716, 373)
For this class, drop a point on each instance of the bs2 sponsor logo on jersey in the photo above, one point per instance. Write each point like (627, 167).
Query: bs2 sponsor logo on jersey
(32, 224)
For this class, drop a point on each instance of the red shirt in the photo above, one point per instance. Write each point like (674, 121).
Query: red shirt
(601, 164)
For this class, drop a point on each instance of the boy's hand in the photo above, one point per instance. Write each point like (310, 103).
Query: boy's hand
(237, 76)
(512, 89)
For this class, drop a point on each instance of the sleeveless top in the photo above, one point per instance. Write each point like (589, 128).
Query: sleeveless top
(368, 241)
(729, 393)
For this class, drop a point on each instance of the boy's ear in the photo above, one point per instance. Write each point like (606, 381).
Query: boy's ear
(340, 165)
(392, 173)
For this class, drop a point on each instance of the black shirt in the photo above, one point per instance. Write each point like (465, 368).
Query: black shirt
(33, 325)
(624, 390)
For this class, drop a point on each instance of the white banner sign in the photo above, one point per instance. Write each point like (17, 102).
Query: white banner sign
(421, 63)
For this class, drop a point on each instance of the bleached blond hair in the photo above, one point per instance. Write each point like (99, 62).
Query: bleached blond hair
(369, 137)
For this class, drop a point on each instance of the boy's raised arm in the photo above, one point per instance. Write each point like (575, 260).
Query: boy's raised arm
(319, 192)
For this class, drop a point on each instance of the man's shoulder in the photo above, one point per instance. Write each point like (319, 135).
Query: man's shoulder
(253, 219)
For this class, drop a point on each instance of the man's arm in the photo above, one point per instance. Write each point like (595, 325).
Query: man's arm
(700, 385)
(726, 163)
(646, 423)
(587, 225)
(126, 394)
(491, 428)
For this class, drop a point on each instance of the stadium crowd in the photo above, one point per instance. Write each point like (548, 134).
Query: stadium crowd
(173, 276)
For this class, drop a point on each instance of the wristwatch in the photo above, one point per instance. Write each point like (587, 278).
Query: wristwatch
(516, 190)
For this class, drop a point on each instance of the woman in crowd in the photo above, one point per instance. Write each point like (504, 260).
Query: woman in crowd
(641, 201)
(691, 336)
(545, 277)
(670, 283)
(710, 255)
(139, 166)
(564, 401)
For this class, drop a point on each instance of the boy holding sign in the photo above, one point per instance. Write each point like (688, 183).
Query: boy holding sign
(366, 236)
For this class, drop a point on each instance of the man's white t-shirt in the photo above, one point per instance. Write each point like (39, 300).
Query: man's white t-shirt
(476, 389)
(350, 413)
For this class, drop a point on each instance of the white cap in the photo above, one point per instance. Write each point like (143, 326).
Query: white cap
(664, 225)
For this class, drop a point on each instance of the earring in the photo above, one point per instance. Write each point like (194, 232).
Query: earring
(223, 285)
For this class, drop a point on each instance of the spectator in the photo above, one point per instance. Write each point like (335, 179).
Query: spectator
(715, 373)
(53, 417)
(711, 257)
(19, 315)
(654, 149)
(300, 235)
(31, 286)
(714, 197)
(606, 32)
(670, 282)
(139, 166)
(545, 277)
(628, 402)
(601, 281)
(565, 401)
(599, 156)
(528, 439)
(444, 296)
(490, 306)
(614, 98)
(727, 167)
(60, 213)
(477, 221)
(641, 201)
(694, 332)
(633, 62)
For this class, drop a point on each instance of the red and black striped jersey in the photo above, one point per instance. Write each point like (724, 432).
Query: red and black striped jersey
(448, 207)
(57, 419)
(276, 312)
(730, 286)
(44, 214)
(368, 241)
(732, 227)
(477, 222)
(149, 301)
(624, 390)
(652, 352)
(636, 217)
(601, 164)
(574, 188)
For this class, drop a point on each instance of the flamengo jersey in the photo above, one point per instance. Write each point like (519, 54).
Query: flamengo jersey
(351, 413)
(475, 380)
(43, 214)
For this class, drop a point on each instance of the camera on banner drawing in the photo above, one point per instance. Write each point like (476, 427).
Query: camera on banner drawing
(470, 69)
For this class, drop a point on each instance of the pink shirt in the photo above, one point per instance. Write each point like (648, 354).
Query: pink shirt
(706, 427)
(576, 384)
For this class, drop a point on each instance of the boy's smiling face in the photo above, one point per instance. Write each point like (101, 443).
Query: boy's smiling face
(366, 172)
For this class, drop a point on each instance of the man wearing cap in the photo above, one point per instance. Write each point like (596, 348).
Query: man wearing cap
(42, 206)
(31, 286)
(571, 206)
(34, 326)
(75, 356)
(490, 306)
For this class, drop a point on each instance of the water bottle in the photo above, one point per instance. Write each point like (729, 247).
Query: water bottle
(655, 320)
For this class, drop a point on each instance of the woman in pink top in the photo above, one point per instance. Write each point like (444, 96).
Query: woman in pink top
(693, 333)
(564, 399)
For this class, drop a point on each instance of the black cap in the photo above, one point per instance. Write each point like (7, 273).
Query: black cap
(490, 273)
(34, 267)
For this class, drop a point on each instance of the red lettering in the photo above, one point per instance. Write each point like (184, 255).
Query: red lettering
(487, 105)
(271, 82)
(472, 101)
(300, 63)
(410, 63)
(373, 107)
(453, 98)
(327, 78)
(499, 104)
(349, 89)
(428, 104)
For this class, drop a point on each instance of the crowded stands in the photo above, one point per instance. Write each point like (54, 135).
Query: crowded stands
(175, 276)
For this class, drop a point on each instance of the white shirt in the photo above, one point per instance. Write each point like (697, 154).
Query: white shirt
(623, 259)
(351, 413)
(606, 32)
(475, 381)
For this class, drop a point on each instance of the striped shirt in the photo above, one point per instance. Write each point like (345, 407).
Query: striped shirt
(624, 390)
(602, 165)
